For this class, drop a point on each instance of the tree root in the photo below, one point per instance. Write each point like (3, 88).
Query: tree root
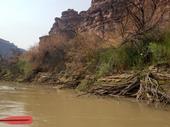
(147, 88)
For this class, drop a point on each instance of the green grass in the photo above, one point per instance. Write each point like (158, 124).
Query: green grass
(22, 68)
(108, 60)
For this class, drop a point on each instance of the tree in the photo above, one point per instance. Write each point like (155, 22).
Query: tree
(142, 17)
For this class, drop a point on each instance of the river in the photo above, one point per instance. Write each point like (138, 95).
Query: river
(50, 107)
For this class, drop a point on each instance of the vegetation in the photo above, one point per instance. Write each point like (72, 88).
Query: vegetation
(15, 69)
(161, 49)
(24, 67)
(141, 17)
(91, 55)
(48, 54)
(118, 59)
(79, 62)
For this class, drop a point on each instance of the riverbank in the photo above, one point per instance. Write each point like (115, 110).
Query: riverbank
(151, 85)
(102, 52)
(91, 65)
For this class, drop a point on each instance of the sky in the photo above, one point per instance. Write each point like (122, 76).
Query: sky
(22, 22)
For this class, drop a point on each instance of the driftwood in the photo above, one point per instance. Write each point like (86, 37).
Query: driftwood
(140, 87)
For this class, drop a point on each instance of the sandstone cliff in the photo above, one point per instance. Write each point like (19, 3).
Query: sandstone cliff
(67, 24)
(101, 18)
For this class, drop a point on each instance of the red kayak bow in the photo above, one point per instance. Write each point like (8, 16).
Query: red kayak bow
(17, 120)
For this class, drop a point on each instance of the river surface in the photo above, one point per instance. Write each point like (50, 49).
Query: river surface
(55, 108)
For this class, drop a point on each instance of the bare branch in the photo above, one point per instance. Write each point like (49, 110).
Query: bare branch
(142, 16)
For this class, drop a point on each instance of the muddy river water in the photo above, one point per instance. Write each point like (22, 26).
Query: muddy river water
(57, 108)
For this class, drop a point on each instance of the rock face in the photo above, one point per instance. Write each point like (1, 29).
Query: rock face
(101, 18)
(8, 50)
(66, 25)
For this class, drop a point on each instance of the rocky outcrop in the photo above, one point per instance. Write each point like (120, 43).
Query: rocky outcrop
(67, 25)
(100, 19)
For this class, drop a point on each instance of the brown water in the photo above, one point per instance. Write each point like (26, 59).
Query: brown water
(54, 108)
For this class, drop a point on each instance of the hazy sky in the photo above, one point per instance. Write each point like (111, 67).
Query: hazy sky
(24, 21)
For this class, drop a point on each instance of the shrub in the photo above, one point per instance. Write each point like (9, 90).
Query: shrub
(113, 59)
(81, 50)
(55, 53)
(48, 54)
(161, 50)
(88, 53)
(24, 67)
(130, 56)
(104, 61)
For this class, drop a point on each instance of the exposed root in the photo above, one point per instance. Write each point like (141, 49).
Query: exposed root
(151, 91)
(147, 88)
